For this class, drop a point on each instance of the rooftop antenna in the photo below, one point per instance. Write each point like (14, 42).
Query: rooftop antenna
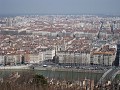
(55, 51)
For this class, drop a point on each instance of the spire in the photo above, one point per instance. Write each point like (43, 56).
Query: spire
(55, 51)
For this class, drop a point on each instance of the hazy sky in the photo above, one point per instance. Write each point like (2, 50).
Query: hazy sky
(60, 6)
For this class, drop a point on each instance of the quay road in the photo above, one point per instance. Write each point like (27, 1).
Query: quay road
(81, 68)
(76, 69)
(15, 67)
(100, 73)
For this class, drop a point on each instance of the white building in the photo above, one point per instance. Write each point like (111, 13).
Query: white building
(74, 57)
(48, 54)
(104, 55)
(36, 57)
(103, 58)
(1, 59)
(10, 59)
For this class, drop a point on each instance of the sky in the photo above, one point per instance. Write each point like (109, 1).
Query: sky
(107, 7)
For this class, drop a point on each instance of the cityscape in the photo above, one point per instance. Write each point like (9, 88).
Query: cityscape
(59, 51)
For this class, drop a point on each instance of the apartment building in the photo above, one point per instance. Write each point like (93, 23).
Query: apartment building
(74, 57)
(104, 56)
(48, 53)
(1, 59)
(36, 57)
(10, 59)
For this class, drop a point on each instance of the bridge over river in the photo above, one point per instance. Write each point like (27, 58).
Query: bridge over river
(109, 75)
(112, 72)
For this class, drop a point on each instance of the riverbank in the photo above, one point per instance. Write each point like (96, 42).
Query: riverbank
(15, 67)
(68, 69)
(53, 69)
(49, 68)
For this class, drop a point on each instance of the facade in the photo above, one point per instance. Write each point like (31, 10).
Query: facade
(1, 59)
(103, 56)
(61, 47)
(10, 59)
(74, 57)
(48, 54)
(36, 57)
(13, 59)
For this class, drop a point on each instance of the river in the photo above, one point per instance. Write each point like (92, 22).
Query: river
(61, 75)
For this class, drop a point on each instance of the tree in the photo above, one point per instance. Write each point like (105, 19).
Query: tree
(39, 80)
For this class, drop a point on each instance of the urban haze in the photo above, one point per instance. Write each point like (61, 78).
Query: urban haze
(59, 45)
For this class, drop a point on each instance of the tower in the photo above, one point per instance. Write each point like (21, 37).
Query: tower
(22, 60)
(56, 58)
